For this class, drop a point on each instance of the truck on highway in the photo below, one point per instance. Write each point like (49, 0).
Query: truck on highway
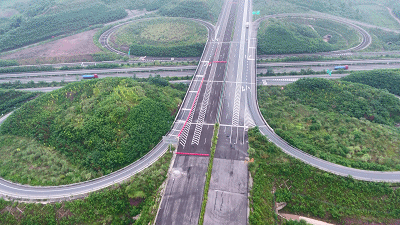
(90, 76)
(346, 67)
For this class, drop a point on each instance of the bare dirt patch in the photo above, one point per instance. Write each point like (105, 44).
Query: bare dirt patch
(78, 47)
(135, 201)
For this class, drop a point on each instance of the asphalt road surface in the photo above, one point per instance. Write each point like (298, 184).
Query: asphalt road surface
(227, 196)
(181, 203)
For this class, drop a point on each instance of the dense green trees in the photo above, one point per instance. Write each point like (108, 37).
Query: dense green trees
(101, 125)
(382, 79)
(312, 192)
(356, 100)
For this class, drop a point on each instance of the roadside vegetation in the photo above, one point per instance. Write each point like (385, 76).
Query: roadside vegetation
(98, 125)
(133, 202)
(313, 193)
(381, 79)
(162, 37)
(4, 63)
(208, 174)
(22, 69)
(346, 123)
(11, 99)
(31, 84)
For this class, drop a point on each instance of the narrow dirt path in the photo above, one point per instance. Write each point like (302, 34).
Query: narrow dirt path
(393, 15)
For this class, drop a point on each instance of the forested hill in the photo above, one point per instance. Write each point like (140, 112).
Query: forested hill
(101, 125)
(353, 99)
(382, 79)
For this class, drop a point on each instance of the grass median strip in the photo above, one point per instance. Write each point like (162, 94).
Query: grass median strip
(209, 170)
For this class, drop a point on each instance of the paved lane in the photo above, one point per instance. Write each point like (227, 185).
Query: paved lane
(181, 203)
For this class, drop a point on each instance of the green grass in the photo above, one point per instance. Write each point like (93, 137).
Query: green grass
(384, 40)
(162, 37)
(202, 9)
(343, 37)
(357, 10)
(377, 15)
(43, 27)
(162, 32)
(113, 205)
(313, 193)
(27, 161)
(99, 125)
(275, 37)
(333, 123)
(11, 99)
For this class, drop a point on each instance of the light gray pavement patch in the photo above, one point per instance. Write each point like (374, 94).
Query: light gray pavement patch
(3, 118)
(229, 176)
(184, 193)
(225, 208)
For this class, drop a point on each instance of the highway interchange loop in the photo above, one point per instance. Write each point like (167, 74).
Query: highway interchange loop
(105, 37)
(10, 190)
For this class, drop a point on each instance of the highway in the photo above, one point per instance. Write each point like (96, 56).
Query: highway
(219, 99)
(86, 71)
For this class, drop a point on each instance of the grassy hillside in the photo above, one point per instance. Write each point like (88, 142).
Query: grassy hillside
(337, 121)
(382, 79)
(27, 30)
(373, 12)
(342, 36)
(162, 37)
(276, 37)
(202, 9)
(98, 125)
(314, 193)
(11, 99)
(118, 204)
